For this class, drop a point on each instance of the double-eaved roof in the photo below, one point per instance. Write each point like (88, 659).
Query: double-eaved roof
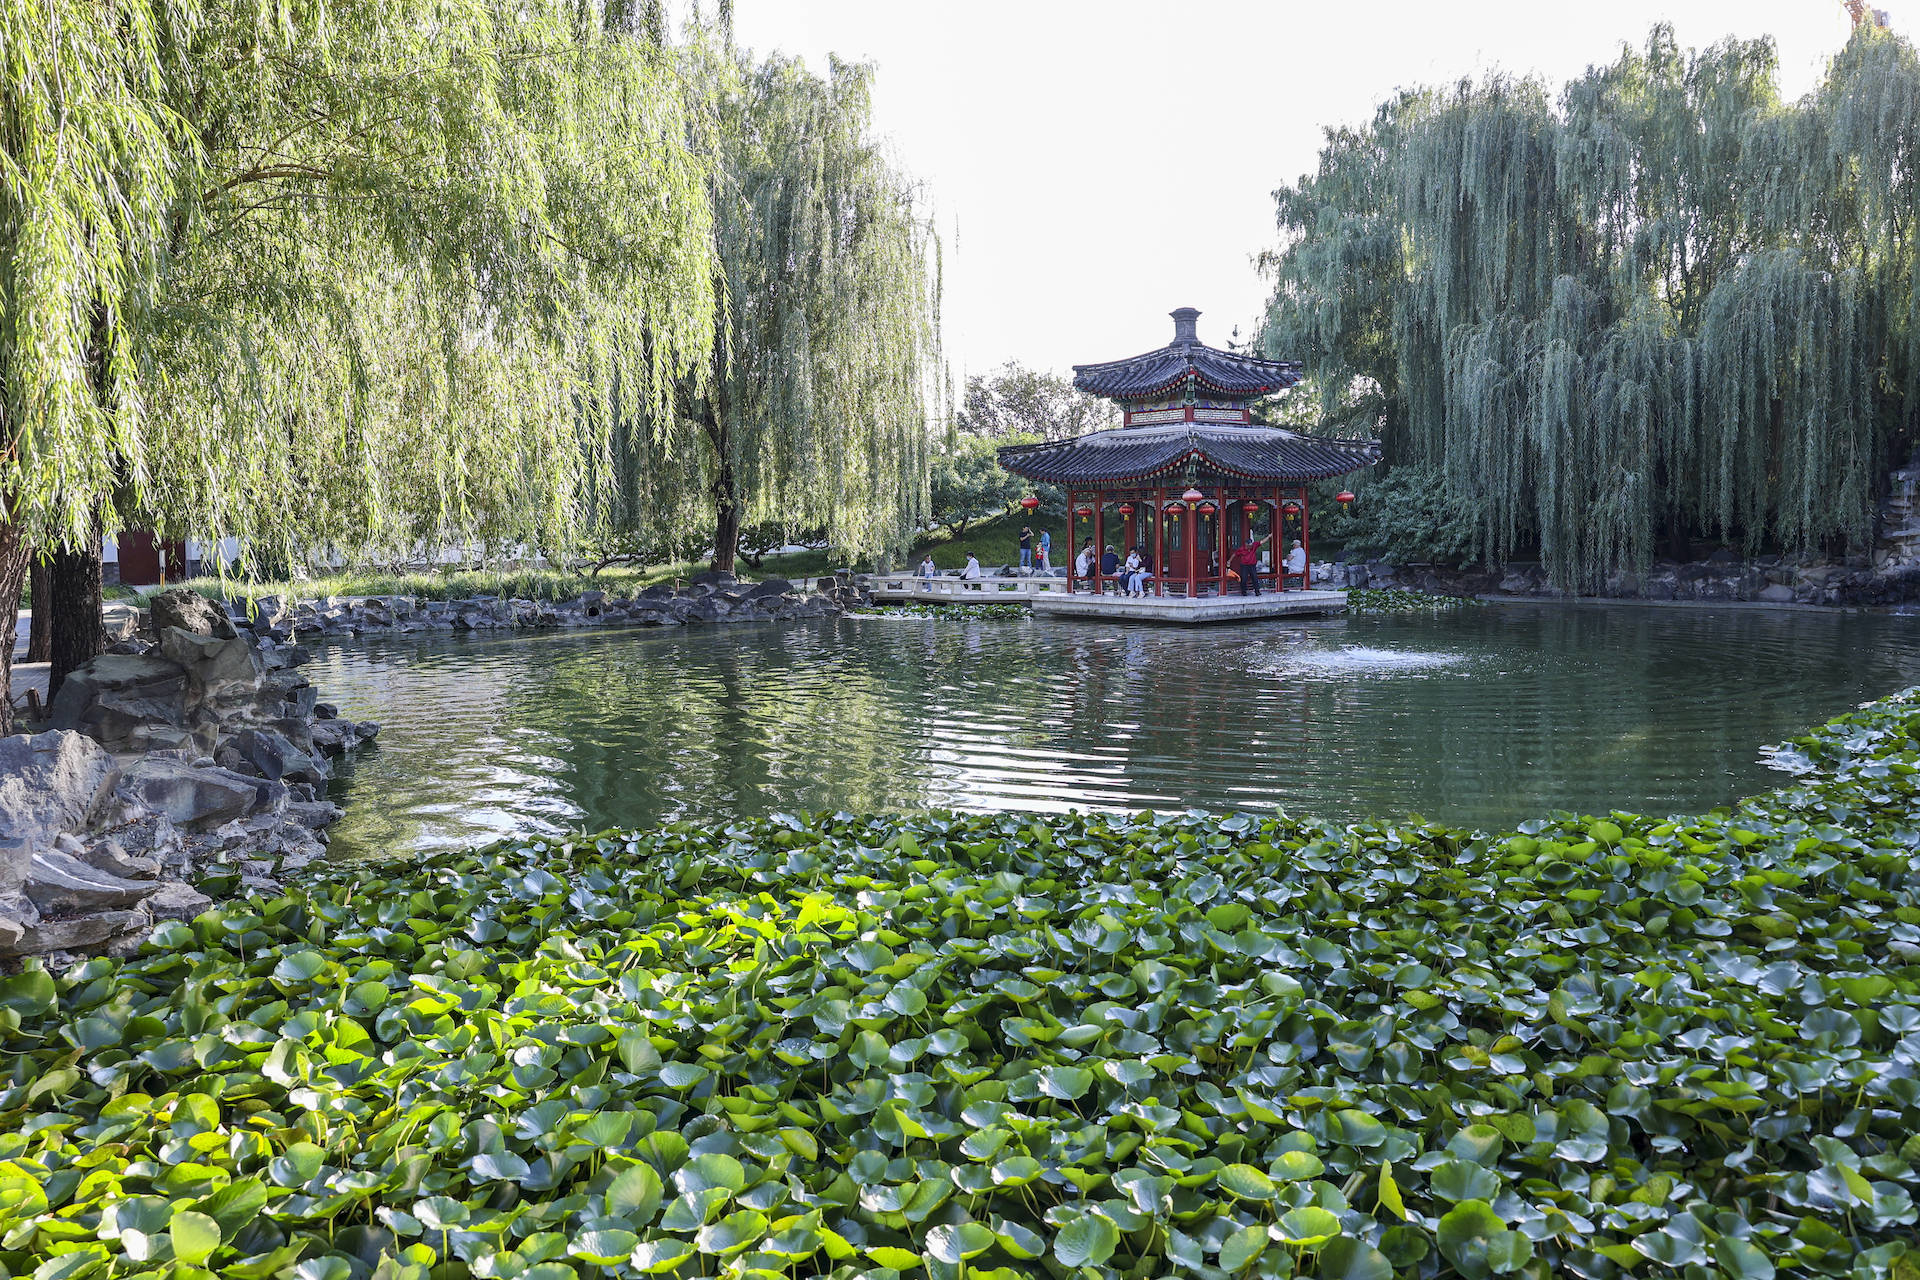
(1214, 442)
(1218, 451)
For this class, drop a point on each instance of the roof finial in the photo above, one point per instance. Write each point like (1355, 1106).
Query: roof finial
(1183, 325)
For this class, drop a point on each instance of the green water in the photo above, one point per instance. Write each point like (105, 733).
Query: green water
(1478, 717)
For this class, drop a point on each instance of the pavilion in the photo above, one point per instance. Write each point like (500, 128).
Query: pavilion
(1188, 471)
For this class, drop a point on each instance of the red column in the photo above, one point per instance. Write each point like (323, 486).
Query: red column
(1099, 537)
(1160, 541)
(1306, 544)
(1073, 538)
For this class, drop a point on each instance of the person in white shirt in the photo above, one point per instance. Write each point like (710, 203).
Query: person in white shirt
(1297, 562)
(972, 571)
(1083, 563)
(926, 568)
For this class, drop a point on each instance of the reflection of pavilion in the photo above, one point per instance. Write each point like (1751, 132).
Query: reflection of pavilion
(1189, 472)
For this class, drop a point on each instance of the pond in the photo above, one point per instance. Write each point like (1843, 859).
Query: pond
(1477, 717)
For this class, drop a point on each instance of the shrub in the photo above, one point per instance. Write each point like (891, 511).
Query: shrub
(1405, 517)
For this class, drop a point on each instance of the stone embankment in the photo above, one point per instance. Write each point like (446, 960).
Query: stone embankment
(709, 597)
(1858, 581)
(195, 754)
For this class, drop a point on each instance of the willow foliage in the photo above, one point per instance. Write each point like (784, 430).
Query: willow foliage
(1661, 302)
(825, 377)
(352, 264)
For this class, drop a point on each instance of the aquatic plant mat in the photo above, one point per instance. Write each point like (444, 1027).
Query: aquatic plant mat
(950, 611)
(1009, 1046)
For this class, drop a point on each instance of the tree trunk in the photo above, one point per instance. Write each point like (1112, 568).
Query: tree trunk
(726, 491)
(79, 635)
(13, 576)
(40, 636)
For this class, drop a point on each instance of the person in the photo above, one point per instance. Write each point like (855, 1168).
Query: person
(1297, 563)
(1026, 547)
(926, 567)
(1046, 548)
(1131, 567)
(1040, 564)
(1083, 563)
(1109, 563)
(972, 572)
(1246, 563)
(1142, 573)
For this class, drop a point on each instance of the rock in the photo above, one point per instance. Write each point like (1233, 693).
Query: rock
(79, 932)
(658, 591)
(1776, 593)
(172, 900)
(711, 578)
(191, 612)
(325, 711)
(772, 587)
(219, 666)
(50, 783)
(189, 796)
(59, 882)
(109, 697)
(108, 856)
(272, 755)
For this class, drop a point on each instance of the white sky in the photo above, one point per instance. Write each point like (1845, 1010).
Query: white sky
(1094, 164)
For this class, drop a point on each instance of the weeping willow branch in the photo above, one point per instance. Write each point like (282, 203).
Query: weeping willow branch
(1662, 299)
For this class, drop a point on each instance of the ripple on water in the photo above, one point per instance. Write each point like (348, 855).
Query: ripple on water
(1483, 717)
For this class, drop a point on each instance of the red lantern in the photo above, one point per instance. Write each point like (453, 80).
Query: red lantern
(1205, 508)
(1084, 511)
(1249, 507)
(1030, 502)
(1192, 495)
(1343, 497)
(1173, 509)
(1126, 508)
(1290, 509)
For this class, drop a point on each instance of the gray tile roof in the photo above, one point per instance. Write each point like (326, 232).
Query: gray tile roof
(1223, 372)
(1218, 451)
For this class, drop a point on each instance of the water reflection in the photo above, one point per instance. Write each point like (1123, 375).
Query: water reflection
(1481, 718)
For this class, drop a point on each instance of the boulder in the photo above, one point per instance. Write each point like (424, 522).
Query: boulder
(50, 783)
(772, 587)
(273, 755)
(1777, 593)
(110, 857)
(190, 612)
(712, 578)
(109, 697)
(79, 932)
(219, 666)
(60, 882)
(658, 591)
(197, 796)
(172, 900)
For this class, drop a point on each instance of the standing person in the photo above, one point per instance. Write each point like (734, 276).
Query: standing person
(1296, 563)
(1046, 548)
(1026, 547)
(1246, 563)
(927, 569)
(1040, 564)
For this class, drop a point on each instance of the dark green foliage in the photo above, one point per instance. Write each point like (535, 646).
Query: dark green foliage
(1403, 600)
(1663, 302)
(967, 483)
(1408, 516)
(952, 611)
(1015, 403)
(1079, 1046)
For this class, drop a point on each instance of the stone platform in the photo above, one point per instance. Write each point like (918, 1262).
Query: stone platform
(1180, 609)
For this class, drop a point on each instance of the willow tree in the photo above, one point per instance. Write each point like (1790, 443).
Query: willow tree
(1661, 302)
(816, 407)
(377, 255)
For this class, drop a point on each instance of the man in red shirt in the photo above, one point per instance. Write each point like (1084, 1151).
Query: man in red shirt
(1246, 563)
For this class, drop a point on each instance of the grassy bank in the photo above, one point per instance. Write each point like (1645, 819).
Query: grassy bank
(1013, 1046)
